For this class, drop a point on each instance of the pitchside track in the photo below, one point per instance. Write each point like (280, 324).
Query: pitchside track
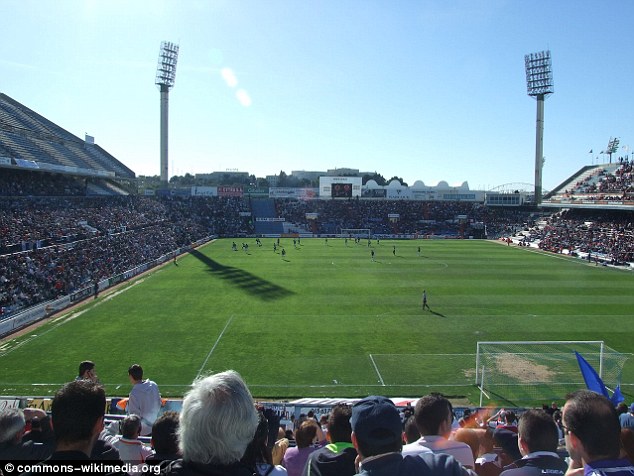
(326, 320)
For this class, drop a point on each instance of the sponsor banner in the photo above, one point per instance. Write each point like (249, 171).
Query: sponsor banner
(257, 192)
(27, 164)
(32, 314)
(290, 192)
(81, 294)
(230, 192)
(373, 193)
(270, 219)
(399, 194)
(5, 160)
(41, 403)
(181, 192)
(312, 216)
(6, 403)
(204, 191)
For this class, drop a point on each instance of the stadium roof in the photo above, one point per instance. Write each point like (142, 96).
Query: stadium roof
(30, 141)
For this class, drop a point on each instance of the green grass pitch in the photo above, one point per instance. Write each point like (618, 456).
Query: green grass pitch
(325, 320)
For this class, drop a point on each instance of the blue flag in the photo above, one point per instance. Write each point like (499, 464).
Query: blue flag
(594, 382)
(617, 396)
(591, 377)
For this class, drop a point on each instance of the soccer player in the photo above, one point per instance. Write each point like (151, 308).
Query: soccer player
(425, 300)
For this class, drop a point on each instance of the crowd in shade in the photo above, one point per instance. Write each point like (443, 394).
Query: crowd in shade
(20, 183)
(221, 431)
(56, 246)
(408, 217)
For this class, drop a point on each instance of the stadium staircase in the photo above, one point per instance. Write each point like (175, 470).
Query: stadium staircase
(263, 209)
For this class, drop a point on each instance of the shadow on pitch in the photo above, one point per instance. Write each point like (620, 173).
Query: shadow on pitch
(248, 282)
(436, 313)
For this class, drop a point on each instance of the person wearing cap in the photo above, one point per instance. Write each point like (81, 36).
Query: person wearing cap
(627, 419)
(377, 436)
(434, 418)
(593, 436)
(538, 439)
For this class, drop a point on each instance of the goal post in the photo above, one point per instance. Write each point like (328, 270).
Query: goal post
(532, 371)
(364, 233)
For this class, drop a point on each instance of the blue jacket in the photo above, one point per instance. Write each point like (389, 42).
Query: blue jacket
(426, 464)
(536, 465)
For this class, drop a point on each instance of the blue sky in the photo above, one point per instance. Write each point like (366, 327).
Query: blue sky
(425, 90)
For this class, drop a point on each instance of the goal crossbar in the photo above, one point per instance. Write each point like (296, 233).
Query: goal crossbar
(529, 370)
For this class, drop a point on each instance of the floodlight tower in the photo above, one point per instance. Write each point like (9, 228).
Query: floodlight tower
(539, 82)
(165, 75)
(613, 146)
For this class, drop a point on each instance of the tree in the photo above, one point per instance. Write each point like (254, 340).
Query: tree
(282, 179)
(378, 178)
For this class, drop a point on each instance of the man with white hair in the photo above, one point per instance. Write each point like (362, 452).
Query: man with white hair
(217, 422)
(12, 426)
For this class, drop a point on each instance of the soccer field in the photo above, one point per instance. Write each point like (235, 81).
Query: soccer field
(326, 320)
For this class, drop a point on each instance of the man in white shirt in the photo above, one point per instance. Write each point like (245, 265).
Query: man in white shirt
(145, 399)
(434, 416)
(131, 449)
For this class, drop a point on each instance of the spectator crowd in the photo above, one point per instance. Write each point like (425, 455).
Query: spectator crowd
(52, 245)
(221, 431)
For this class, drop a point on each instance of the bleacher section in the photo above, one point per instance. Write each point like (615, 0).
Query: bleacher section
(263, 210)
(29, 140)
(595, 185)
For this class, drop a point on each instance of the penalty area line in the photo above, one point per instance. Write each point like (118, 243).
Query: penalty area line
(214, 347)
(377, 370)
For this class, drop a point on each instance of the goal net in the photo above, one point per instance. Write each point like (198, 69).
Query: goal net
(541, 371)
(364, 233)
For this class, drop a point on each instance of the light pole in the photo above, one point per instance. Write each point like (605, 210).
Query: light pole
(613, 146)
(539, 83)
(165, 75)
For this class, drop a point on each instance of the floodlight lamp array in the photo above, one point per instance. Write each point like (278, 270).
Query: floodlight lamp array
(166, 68)
(539, 74)
(613, 145)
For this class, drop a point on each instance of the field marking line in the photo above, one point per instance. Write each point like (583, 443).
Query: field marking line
(200, 371)
(377, 371)
(7, 348)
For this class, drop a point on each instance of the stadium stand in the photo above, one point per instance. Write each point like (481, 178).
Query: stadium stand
(596, 184)
(72, 218)
(29, 140)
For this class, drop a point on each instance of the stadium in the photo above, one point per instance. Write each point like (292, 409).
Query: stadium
(89, 258)
(317, 287)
